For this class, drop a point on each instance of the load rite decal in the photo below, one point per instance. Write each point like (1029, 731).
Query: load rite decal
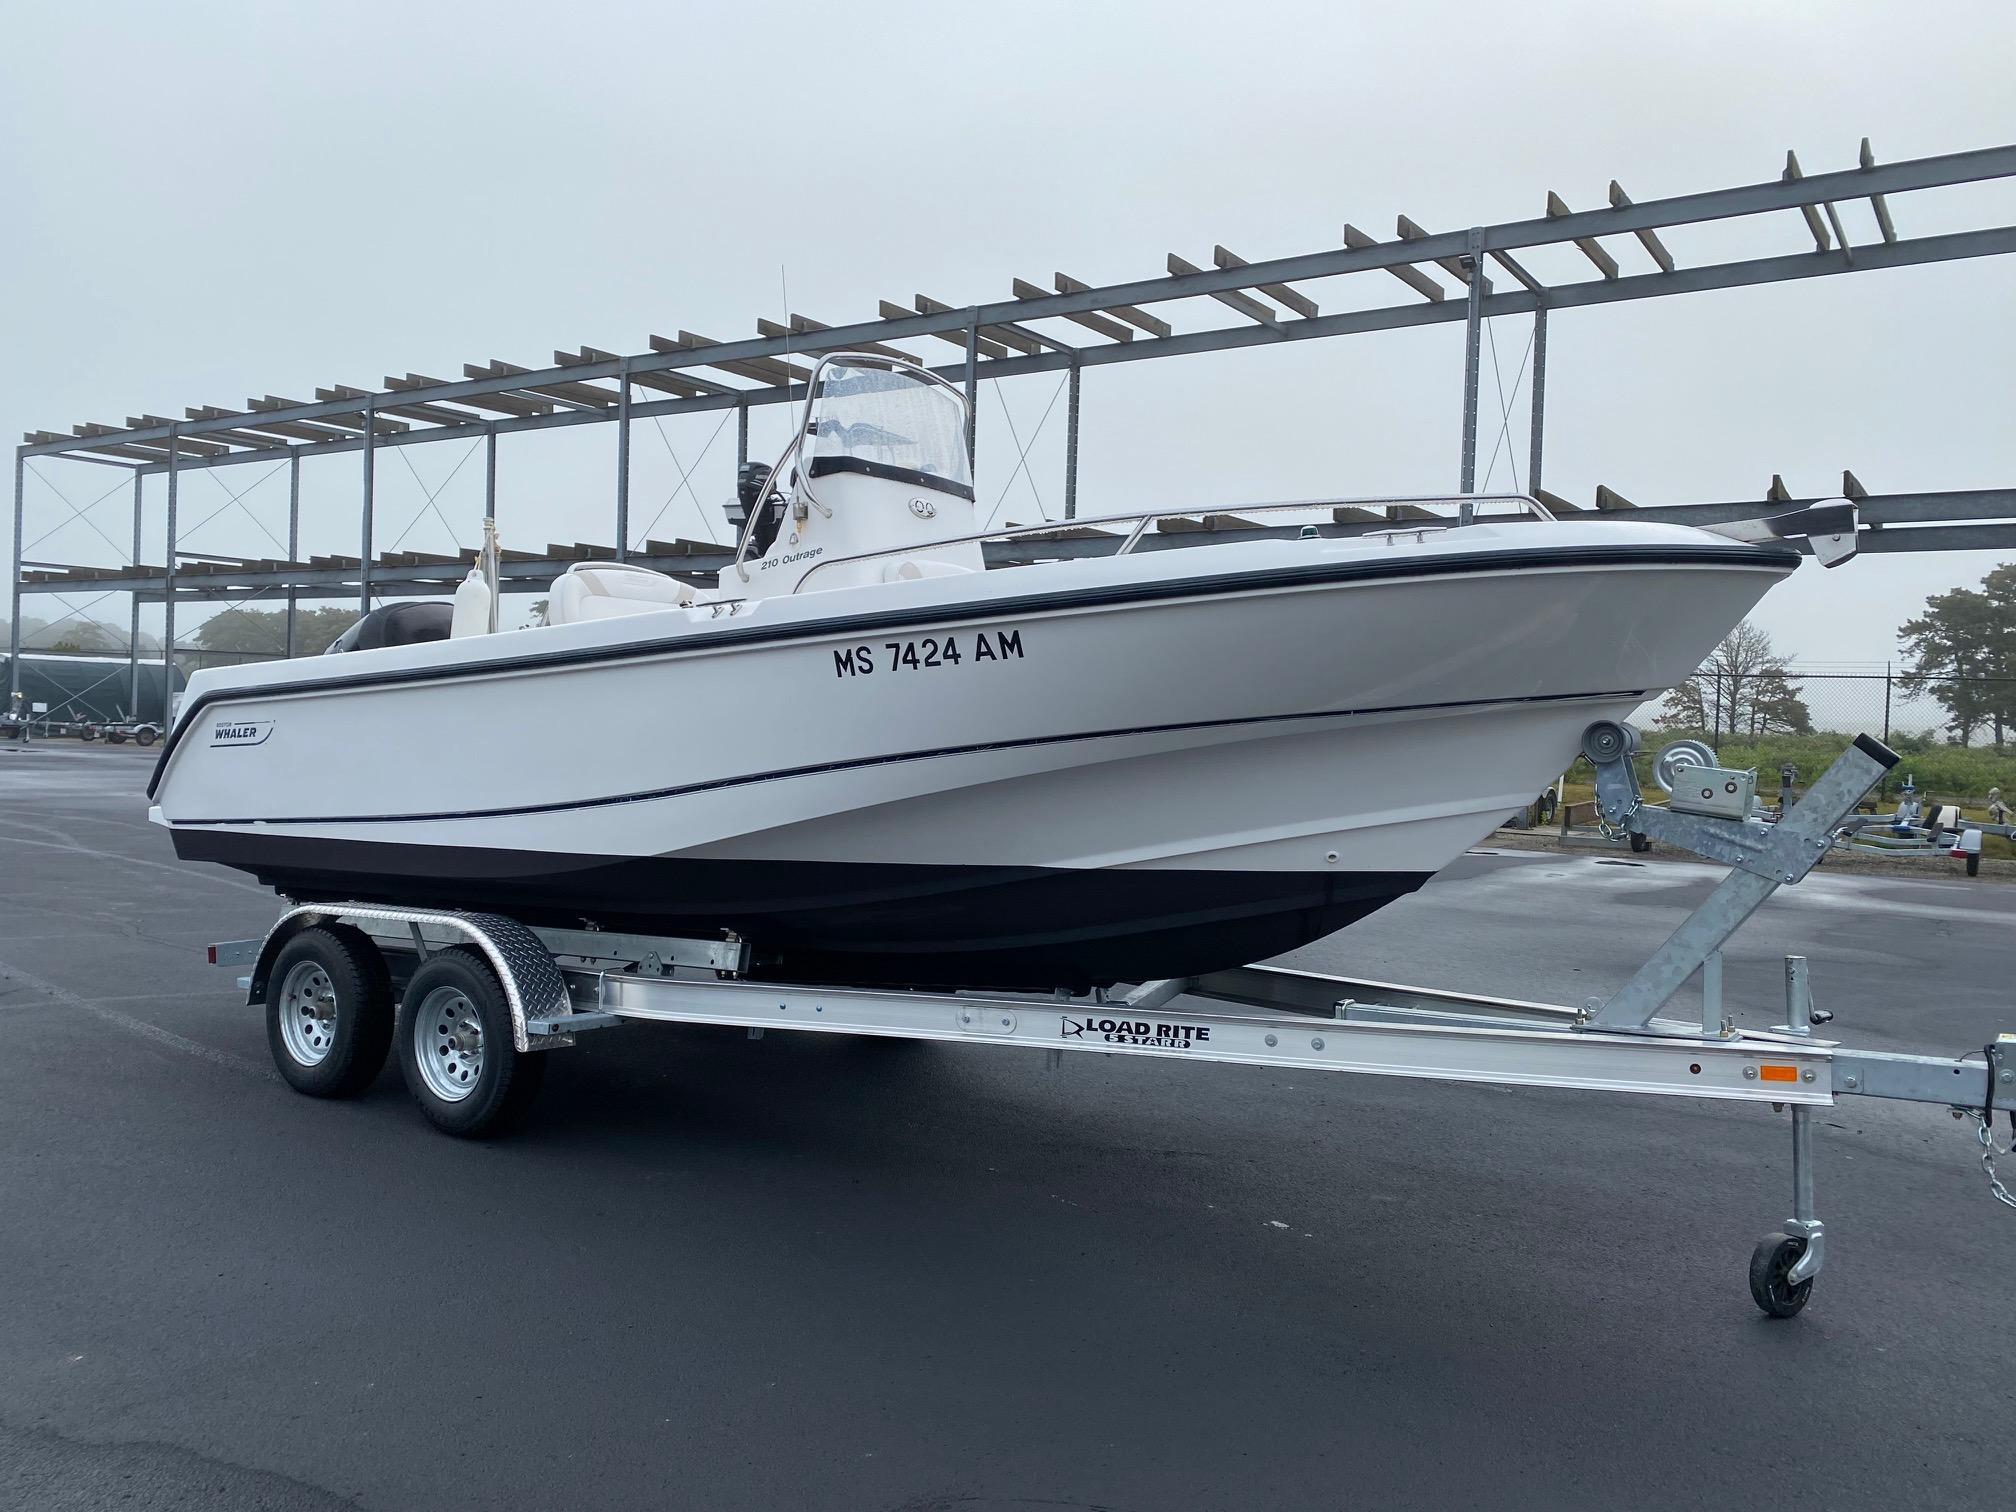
(1137, 1032)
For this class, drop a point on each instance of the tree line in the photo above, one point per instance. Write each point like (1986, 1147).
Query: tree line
(1960, 651)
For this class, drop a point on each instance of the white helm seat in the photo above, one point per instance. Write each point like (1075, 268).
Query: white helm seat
(607, 590)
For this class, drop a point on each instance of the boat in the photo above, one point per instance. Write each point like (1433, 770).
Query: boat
(893, 746)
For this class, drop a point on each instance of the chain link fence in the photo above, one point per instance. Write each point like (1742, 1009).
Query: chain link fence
(1957, 736)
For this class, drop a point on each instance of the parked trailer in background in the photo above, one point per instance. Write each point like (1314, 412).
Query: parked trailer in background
(87, 696)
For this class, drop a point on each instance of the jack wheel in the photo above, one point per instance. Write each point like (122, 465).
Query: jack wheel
(1640, 843)
(1770, 1269)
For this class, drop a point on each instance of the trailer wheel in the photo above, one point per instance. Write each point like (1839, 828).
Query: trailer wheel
(1640, 843)
(145, 736)
(115, 737)
(87, 733)
(1974, 864)
(329, 1011)
(1770, 1265)
(456, 1050)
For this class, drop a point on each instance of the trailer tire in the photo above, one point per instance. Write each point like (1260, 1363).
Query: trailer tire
(1974, 864)
(146, 737)
(456, 1049)
(1770, 1262)
(329, 1011)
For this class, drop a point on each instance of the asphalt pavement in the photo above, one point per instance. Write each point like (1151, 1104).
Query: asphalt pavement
(725, 1274)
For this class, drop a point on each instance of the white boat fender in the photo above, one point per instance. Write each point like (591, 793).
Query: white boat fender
(472, 607)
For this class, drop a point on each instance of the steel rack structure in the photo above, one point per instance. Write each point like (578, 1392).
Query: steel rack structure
(1468, 276)
(483, 995)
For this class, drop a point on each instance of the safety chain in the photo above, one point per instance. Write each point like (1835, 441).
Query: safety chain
(1989, 1151)
(1618, 831)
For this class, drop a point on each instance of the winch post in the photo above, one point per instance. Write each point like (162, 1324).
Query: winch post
(1764, 857)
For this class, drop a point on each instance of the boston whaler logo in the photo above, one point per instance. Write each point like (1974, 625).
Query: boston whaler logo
(240, 732)
(1143, 1032)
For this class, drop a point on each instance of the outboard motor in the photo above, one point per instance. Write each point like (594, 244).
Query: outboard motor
(753, 493)
(407, 624)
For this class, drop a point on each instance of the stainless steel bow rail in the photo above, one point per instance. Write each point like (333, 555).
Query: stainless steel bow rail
(482, 996)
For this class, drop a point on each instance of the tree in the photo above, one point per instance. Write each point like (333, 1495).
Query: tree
(1963, 652)
(1744, 688)
(265, 630)
(70, 634)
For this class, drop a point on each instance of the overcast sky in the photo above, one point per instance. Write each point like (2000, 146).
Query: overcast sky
(209, 202)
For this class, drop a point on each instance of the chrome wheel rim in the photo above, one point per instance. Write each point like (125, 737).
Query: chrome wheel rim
(448, 1043)
(308, 1013)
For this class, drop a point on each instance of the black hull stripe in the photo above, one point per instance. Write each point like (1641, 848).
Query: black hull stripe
(1755, 558)
(866, 923)
(826, 767)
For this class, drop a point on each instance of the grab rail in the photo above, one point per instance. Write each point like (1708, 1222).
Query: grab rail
(1465, 504)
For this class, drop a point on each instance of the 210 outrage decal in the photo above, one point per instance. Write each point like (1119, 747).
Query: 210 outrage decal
(927, 652)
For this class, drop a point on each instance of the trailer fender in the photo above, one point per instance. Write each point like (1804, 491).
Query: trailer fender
(531, 979)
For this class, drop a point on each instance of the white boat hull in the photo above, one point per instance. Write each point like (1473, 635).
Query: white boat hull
(1046, 776)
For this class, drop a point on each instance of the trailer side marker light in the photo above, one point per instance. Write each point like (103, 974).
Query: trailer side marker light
(1778, 1073)
(211, 952)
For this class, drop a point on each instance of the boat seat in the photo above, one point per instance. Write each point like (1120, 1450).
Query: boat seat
(606, 590)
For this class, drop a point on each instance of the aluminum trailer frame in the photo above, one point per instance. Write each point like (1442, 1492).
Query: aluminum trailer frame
(558, 984)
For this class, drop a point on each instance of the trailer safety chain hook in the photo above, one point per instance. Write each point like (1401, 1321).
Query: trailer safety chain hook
(1989, 1151)
(1984, 1119)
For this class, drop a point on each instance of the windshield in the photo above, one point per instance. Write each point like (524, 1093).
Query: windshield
(889, 424)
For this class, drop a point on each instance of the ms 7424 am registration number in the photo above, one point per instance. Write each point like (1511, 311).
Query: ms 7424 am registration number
(975, 648)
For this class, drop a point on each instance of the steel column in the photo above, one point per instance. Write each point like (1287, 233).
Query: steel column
(133, 631)
(168, 584)
(14, 624)
(370, 482)
(972, 386)
(741, 436)
(293, 541)
(1473, 354)
(490, 475)
(1071, 443)
(1539, 392)
(623, 459)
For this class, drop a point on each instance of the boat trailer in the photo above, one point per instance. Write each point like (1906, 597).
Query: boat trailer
(482, 993)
